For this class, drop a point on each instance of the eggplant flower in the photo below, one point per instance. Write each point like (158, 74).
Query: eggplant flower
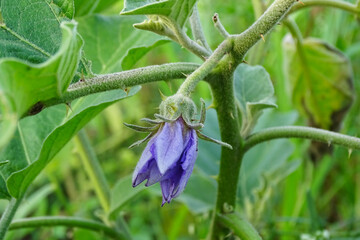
(168, 158)
(170, 154)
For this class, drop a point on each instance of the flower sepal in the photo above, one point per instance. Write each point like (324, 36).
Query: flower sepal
(175, 106)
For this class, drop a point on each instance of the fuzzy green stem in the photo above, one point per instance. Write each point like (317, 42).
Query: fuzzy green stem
(224, 103)
(93, 169)
(302, 132)
(352, 8)
(197, 29)
(187, 43)
(8, 215)
(218, 25)
(199, 74)
(38, 222)
(122, 80)
(270, 18)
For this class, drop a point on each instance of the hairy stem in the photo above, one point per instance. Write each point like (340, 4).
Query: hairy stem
(224, 102)
(122, 80)
(197, 29)
(247, 39)
(38, 222)
(326, 3)
(187, 43)
(218, 25)
(302, 132)
(192, 80)
(8, 215)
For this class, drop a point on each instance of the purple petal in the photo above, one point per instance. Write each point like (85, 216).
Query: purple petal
(190, 152)
(143, 163)
(170, 182)
(169, 145)
(154, 174)
(190, 155)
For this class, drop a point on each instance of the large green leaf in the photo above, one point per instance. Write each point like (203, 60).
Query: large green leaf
(177, 10)
(109, 39)
(88, 7)
(24, 84)
(31, 29)
(253, 90)
(40, 137)
(321, 84)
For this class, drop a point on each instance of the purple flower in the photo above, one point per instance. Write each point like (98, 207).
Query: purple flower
(168, 158)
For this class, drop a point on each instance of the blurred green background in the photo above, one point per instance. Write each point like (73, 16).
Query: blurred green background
(285, 190)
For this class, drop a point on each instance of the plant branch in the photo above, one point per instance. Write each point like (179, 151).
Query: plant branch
(8, 215)
(199, 74)
(270, 18)
(187, 43)
(218, 25)
(122, 80)
(37, 222)
(302, 132)
(326, 3)
(197, 29)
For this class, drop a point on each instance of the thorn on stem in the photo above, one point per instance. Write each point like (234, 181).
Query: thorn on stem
(262, 36)
(349, 152)
(215, 17)
(68, 107)
(300, 2)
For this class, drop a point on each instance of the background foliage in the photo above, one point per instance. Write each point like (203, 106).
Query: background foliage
(287, 188)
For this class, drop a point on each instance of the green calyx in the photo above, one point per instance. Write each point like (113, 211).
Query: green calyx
(178, 105)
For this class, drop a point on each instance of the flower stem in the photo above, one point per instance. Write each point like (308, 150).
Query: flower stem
(8, 215)
(122, 80)
(352, 8)
(37, 222)
(192, 80)
(302, 132)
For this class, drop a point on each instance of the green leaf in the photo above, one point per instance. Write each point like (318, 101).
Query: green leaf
(36, 35)
(63, 8)
(239, 225)
(111, 42)
(88, 7)
(121, 193)
(176, 10)
(253, 90)
(40, 137)
(322, 85)
(25, 84)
